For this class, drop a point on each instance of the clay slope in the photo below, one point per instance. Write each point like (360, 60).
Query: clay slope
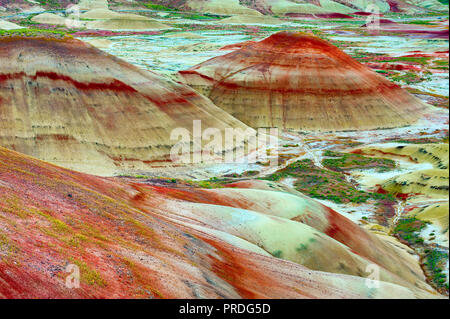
(243, 19)
(228, 7)
(49, 18)
(66, 102)
(92, 4)
(106, 19)
(352, 6)
(294, 227)
(123, 23)
(431, 182)
(254, 7)
(6, 25)
(128, 243)
(437, 214)
(298, 81)
(99, 14)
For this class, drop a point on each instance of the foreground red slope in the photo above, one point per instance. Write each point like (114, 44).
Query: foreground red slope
(299, 81)
(52, 217)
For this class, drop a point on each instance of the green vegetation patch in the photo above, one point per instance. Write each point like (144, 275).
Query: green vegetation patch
(434, 261)
(348, 161)
(34, 33)
(408, 230)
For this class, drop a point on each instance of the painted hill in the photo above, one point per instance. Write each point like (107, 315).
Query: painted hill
(287, 7)
(6, 25)
(298, 81)
(92, 4)
(435, 154)
(437, 214)
(130, 241)
(90, 111)
(248, 7)
(49, 18)
(127, 22)
(432, 182)
(292, 226)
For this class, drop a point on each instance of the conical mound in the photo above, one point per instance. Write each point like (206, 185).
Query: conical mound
(66, 102)
(298, 81)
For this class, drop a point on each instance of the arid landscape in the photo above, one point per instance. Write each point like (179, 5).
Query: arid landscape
(191, 149)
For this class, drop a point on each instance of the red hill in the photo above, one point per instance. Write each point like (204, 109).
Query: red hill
(299, 81)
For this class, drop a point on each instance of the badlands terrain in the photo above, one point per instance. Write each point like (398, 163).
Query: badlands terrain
(349, 199)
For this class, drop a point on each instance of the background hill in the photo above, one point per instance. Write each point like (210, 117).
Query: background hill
(253, 7)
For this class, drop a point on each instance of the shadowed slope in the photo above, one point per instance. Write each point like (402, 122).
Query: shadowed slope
(64, 101)
(124, 251)
(298, 81)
